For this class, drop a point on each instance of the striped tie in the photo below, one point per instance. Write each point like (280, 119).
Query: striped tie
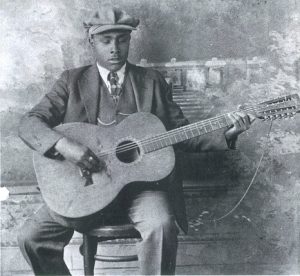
(115, 87)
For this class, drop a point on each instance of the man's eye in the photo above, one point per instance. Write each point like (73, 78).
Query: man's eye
(123, 39)
(104, 40)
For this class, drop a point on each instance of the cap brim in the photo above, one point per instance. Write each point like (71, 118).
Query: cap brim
(105, 28)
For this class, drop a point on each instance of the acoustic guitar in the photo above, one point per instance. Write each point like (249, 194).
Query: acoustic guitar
(137, 149)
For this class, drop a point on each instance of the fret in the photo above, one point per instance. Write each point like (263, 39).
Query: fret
(186, 132)
(189, 132)
(204, 127)
(179, 136)
(157, 145)
(147, 148)
(212, 127)
(199, 130)
(164, 142)
(161, 144)
(182, 138)
(195, 132)
(153, 146)
(154, 143)
(209, 128)
(215, 124)
(187, 137)
(225, 122)
(173, 140)
(228, 124)
(169, 140)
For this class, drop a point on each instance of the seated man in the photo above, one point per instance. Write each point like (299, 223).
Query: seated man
(104, 93)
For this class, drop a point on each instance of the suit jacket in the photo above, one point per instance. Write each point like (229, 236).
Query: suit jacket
(75, 98)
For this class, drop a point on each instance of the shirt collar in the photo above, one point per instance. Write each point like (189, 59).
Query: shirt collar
(104, 73)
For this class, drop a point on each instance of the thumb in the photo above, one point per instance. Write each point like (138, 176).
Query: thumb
(252, 118)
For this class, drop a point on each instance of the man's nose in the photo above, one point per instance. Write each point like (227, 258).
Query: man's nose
(115, 48)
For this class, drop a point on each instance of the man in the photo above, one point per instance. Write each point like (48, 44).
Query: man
(105, 93)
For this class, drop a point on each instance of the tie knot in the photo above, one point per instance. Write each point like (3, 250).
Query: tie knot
(113, 77)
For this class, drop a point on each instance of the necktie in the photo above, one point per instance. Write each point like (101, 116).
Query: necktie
(115, 87)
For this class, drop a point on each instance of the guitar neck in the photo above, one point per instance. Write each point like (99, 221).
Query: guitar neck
(280, 108)
(184, 133)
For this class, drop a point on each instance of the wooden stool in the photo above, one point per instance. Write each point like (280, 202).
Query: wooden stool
(104, 233)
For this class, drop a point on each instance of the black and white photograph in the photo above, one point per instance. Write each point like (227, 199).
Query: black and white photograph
(150, 137)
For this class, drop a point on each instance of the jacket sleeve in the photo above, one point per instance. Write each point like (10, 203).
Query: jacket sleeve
(35, 127)
(174, 118)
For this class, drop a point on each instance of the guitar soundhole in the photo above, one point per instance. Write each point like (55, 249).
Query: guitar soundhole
(128, 151)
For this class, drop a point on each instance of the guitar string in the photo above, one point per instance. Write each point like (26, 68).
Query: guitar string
(150, 144)
(192, 127)
(154, 139)
(160, 137)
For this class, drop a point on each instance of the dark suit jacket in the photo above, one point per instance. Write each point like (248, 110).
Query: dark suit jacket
(75, 98)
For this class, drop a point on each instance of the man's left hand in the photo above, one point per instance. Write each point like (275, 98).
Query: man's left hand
(241, 121)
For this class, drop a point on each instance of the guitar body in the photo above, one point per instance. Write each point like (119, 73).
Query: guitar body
(67, 193)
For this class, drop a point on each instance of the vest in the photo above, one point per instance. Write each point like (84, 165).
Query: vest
(111, 113)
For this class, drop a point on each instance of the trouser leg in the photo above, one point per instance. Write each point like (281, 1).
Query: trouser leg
(42, 241)
(152, 216)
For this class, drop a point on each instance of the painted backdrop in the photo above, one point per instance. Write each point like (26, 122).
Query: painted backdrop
(40, 39)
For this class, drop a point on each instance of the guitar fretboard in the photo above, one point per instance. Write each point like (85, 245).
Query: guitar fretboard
(184, 133)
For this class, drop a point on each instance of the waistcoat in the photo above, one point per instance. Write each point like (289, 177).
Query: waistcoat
(110, 112)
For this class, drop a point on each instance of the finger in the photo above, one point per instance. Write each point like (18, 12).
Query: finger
(247, 121)
(88, 164)
(232, 118)
(93, 160)
(236, 120)
(252, 118)
(84, 164)
(81, 165)
(248, 118)
(241, 116)
(89, 156)
(93, 155)
(245, 118)
(240, 107)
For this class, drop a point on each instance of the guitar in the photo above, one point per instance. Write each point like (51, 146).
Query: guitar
(137, 149)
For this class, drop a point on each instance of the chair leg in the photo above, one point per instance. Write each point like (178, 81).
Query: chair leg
(89, 250)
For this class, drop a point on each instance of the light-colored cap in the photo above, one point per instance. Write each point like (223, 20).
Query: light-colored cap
(110, 18)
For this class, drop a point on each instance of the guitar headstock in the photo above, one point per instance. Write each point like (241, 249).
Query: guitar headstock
(280, 108)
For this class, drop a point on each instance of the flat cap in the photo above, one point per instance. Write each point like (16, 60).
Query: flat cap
(110, 18)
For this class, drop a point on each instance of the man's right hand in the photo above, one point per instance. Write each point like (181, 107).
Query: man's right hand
(78, 154)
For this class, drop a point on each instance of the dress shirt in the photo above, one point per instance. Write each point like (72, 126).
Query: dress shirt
(104, 75)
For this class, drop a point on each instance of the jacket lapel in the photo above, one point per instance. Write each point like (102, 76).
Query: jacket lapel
(142, 88)
(89, 87)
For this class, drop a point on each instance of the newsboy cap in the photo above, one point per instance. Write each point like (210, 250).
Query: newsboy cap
(110, 18)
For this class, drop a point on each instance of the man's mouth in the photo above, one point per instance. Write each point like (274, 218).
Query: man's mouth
(115, 60)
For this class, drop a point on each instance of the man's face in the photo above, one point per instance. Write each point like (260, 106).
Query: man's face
(111, 48)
